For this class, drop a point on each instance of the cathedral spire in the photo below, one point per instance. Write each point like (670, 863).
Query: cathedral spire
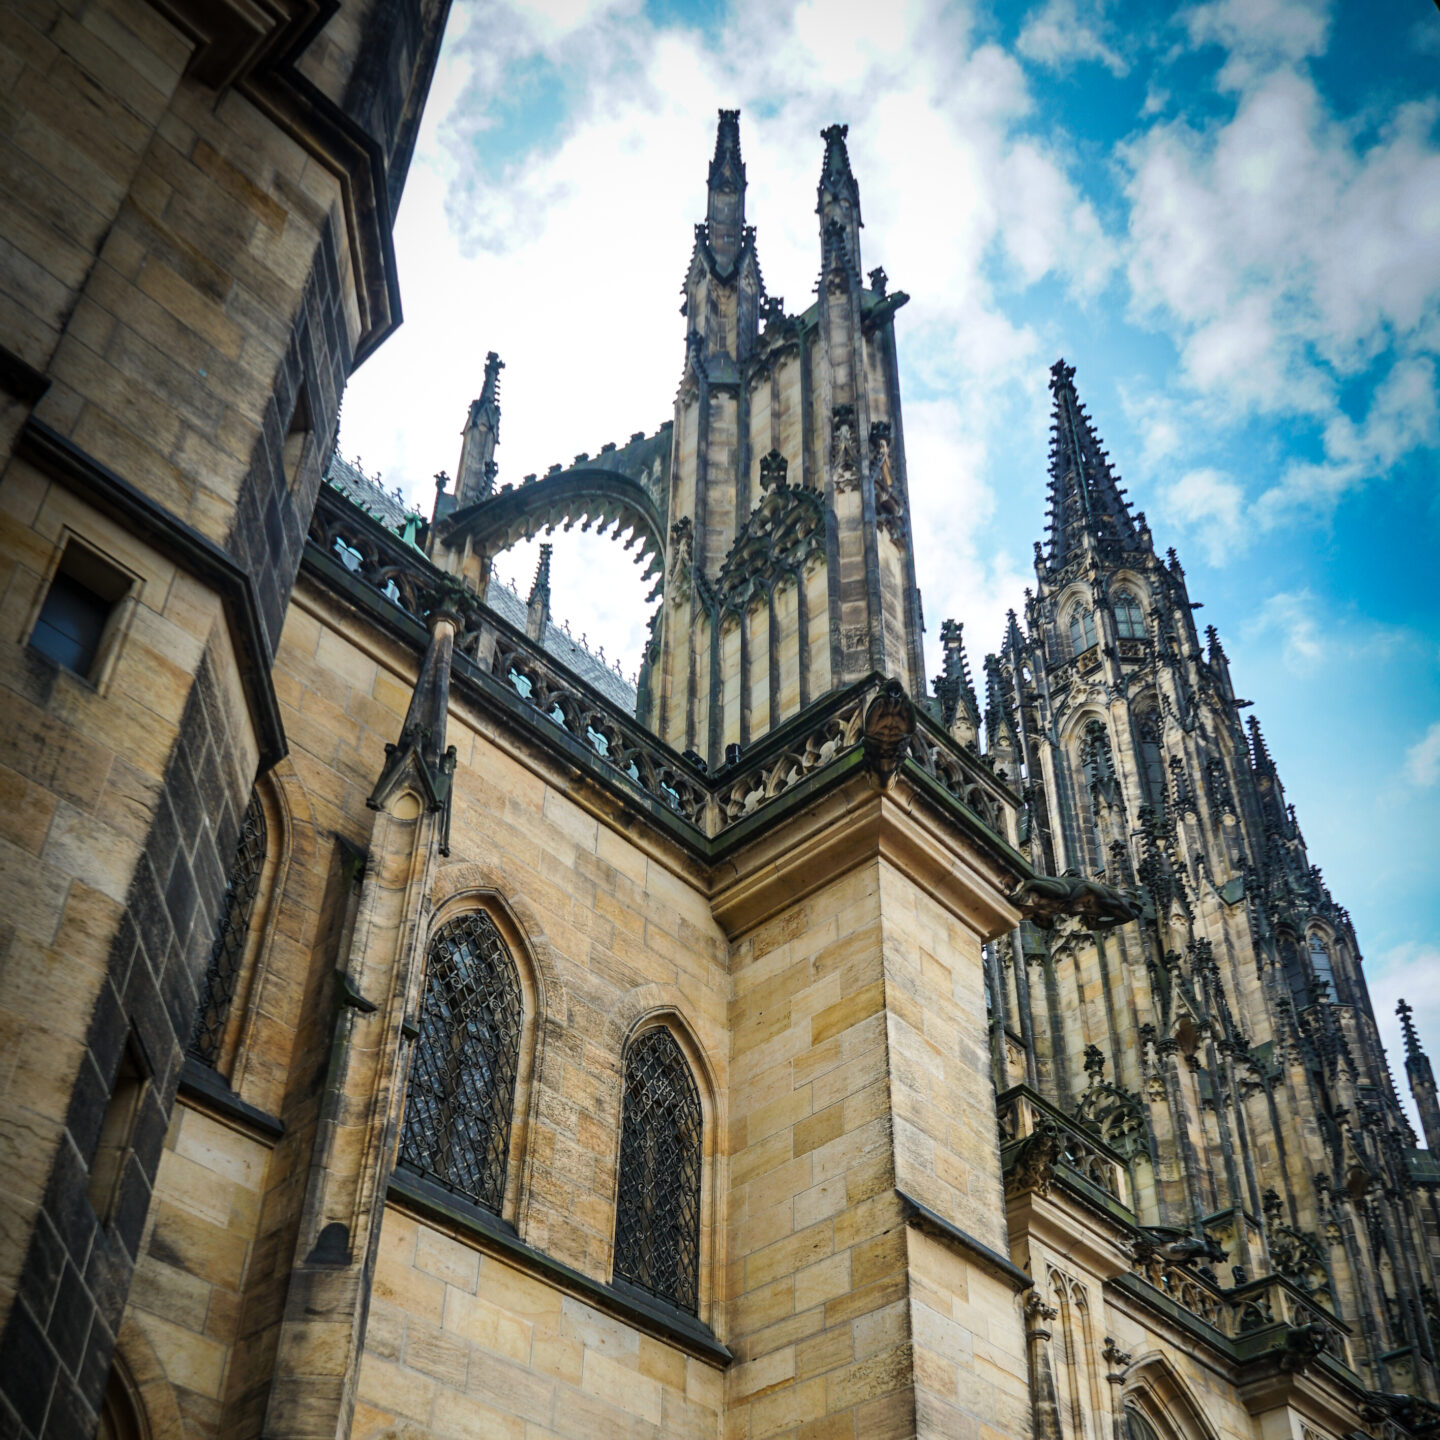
(1085, 496)
(475, 478)
(725, 213)
(838, 202)
(1422, 1079)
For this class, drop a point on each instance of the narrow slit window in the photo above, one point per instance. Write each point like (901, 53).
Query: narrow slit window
(657, 1208)
(76, 617)
(462, 1073)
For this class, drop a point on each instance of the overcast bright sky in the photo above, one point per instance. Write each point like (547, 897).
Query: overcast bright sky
(1226, 216)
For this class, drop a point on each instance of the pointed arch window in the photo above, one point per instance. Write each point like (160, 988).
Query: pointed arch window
(1294, 973)
(657, 1207)
(1129, 618)
(1152, 763)
(463, 1069)
(1097, 765)
(1320, 965)
(1137, 1427)
(227, 955)
(1082, 630)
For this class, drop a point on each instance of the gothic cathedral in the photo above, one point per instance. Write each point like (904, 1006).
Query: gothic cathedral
(412, 1028)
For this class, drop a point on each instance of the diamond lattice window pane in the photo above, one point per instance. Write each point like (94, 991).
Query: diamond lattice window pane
(657, 1213)
(462, 1071)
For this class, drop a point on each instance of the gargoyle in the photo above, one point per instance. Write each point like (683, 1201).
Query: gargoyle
(1175, 1249)
(1032, 1167)
(889, 723)
(1045, 898)
(1303, 1343)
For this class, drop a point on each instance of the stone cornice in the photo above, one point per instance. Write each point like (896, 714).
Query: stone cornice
(848, 825)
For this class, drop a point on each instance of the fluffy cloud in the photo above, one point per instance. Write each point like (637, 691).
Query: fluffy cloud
(557, 252)
(1259, 33)
(1289, 254)
(1211, 503)
(1422, 759)
(1059, 36)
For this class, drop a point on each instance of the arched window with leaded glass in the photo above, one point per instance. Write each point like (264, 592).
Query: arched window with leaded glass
(657, 1203)
(1320, 965)
(1129, 618)
(232, 933)
(465, 1061)
(1082, 630)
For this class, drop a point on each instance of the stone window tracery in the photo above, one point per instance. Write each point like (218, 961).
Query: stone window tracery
(1320, 965)
(1082, 630)
(227, 955)
(1129, 618)
(657, 1207)
(462, 1073)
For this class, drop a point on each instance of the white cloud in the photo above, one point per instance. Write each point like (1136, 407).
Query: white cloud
(1311, 634)
(1211, 503)
(1260, 32)
(1422, 759)
(1059, 37)
(1288, 253)
(568, 258)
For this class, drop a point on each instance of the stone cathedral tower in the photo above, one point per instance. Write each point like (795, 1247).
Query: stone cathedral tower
(789, 569)
(411, 1029)
(1224, 1043)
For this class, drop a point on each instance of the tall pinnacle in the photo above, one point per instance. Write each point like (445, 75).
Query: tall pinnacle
(475, 477)
(1260, 754)
(1422, 1079)
(954, 688)
(1085, 496)
(838, 201)
(725, 214)
(537, 607)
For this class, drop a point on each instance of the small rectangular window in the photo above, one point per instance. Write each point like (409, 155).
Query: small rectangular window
(116, 1131)
(84, 594)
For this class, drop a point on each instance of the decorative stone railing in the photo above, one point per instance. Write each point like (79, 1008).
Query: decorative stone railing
(1270, 1310)
(1040, 1144)
(1199, 1294)
(358, 551)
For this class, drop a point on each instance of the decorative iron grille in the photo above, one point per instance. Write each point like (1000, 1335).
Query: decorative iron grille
(217, 989)
(657, 1212)
(462, 1073)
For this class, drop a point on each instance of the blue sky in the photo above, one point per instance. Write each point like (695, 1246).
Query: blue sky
(1226, 215)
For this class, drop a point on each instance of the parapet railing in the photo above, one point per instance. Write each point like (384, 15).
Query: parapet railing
(1039, 1143)
(398, 580)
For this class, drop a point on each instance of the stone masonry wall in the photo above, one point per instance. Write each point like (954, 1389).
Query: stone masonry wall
(174, 276)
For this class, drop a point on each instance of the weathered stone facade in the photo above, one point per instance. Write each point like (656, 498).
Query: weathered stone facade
(408, 1030)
